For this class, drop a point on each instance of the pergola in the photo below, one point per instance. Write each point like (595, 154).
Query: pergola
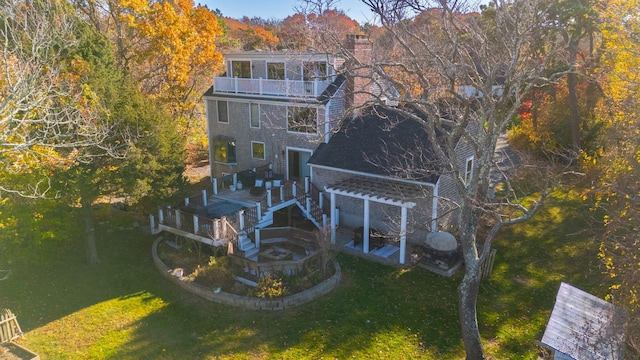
(378, 190)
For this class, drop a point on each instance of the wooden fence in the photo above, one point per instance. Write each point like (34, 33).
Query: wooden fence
(9, 328)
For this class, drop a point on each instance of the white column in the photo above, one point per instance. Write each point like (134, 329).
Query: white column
(160, 216)
(235, 179)
(257, 236)
(241, 213)
(306, 184)
(215, 186)
(294, 189)
(333, 219)
(204, 197)
(196, 225)
(216, 229)
(259, 210)
(321, 199)
(434, 208)
(365, 234)
(403, 234)
(269, 200)
(186, 201)
(281, 193)
(152, 223)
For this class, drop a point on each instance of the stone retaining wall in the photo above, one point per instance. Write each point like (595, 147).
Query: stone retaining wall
(244, 301)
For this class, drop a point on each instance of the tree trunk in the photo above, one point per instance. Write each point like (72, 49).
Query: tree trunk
(572, 83)
(467, 299)
(89, 232)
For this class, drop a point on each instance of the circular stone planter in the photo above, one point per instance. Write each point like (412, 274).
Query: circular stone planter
(246, 302)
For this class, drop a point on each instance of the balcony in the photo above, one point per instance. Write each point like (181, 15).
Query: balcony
(267, 87)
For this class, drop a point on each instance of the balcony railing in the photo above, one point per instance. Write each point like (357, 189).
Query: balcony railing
(266, 87)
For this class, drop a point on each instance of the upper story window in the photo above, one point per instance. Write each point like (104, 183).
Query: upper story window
(314, 69)
(468, 170)
(224, 151)
(223, 111)
(257, 150)
(302, 119)
(241, 69)
(275, 70)
(254, 115)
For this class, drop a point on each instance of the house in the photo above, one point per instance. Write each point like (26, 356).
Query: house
(272, 108)
(379, 172)
(583, 326)
(282, 116)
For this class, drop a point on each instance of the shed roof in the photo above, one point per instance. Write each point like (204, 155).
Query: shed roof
(584, 326)
(380, 142)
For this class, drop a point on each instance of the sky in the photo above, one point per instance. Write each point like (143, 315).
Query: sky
(280, 9)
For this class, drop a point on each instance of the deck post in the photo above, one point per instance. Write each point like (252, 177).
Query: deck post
(196, 225)
(365, 234)
(281, 193)
(160, 216)
(333, 219)
(224, 227)
(235, 179)
(320, 199)
(241, 213)
(259, 210)
(260, 86)
(294, 190)
(306, 184)
(152, 222)
(216, 229)
(178, 220)
(403, 234)
(308, 205)
(204, 197)
(215, 186)
(257, 237)
(186, 201)
(269, 200)
(235, 84)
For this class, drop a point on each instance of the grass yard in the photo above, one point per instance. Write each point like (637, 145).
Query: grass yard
(122, 309)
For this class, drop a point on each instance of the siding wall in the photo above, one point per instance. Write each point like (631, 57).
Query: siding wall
(382, 216)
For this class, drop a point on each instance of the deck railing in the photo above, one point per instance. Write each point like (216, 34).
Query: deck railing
(268, 87)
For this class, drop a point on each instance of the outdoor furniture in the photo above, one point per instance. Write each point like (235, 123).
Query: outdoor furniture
(376, 238)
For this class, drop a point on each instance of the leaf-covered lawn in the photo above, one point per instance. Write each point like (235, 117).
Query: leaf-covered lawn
(122, 309)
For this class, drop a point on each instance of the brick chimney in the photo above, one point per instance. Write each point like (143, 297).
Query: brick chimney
(358, 66)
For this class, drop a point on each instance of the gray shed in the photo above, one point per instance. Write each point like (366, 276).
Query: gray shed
(584, 327)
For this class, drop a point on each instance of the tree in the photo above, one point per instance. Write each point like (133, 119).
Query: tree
(46, 112)
(433, 51)
(617, 164)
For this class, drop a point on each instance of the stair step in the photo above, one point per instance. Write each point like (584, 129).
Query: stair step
(252, 254)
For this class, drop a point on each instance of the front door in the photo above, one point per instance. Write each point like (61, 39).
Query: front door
(297, 164)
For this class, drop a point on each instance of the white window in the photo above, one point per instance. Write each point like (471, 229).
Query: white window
(223, 112)
(257, 150)
(468, 170)
(254, 115)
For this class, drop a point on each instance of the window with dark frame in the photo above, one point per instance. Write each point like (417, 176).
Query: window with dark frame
(254, 115)
(223, 111)
(257, 150)
(224, 151)
(302, 120)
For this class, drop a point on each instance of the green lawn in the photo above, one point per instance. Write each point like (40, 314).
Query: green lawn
(122, 309)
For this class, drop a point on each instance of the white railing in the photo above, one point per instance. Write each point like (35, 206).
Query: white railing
(286, 88)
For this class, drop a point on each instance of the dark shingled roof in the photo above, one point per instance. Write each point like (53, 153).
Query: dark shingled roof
(380, 142)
